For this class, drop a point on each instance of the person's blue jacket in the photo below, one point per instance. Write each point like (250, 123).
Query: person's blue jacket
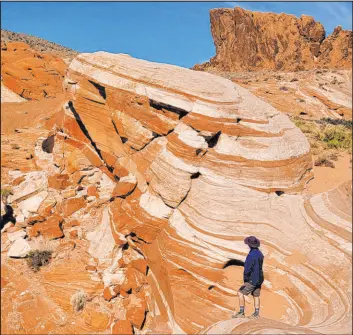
(253, 273)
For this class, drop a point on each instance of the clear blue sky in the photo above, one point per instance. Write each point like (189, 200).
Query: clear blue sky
(176, 33)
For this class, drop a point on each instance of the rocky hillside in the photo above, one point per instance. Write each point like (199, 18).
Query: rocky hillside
(31, 74)
(38, 44)
(146, 178)
(247, 40)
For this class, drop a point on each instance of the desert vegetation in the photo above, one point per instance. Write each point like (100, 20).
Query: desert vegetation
(78, 300)
(41, 254)
(323, 160)
(38, 258)
(329, 135)
(5, 193)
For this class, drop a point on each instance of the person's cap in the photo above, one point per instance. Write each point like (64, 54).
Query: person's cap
(252, 242)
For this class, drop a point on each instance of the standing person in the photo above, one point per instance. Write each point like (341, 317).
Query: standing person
(253, 277)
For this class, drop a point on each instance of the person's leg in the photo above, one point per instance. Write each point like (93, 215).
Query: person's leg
(241, 302)
(257, 304)
(244, 290)
(256, 295)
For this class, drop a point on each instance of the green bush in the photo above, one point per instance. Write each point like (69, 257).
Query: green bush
(337, 137)
(303, 126)
(5, 192)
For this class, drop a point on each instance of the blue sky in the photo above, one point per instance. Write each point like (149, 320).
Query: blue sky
(175, 33)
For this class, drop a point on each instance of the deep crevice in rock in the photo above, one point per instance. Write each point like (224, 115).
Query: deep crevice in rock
(84, 129)
(100, 88)
(126, 245)
(144, 320)
(212, 140)
(160, 106)
(195, 175)
(233, 262)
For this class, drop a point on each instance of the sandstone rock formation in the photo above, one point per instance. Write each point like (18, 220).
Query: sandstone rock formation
(247, 40)
(154, 174)
(31, 74)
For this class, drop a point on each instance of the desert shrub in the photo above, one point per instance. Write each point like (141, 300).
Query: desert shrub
(305, 127)
(337, 137)
(327, 133)
(5, 193)
(283, 88)
(78, 300)
(38, 258)
(15, 146)
(323, 161)
(336, 122)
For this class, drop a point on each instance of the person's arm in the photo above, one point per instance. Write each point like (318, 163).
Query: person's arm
(248, 266)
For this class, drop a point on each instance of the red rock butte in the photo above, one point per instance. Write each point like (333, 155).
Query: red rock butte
(247, 40)
(182, 165)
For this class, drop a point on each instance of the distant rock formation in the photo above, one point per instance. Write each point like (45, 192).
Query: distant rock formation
(247, 40)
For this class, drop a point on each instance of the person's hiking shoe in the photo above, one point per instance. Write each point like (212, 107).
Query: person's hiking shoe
(238, 315)
(254, 316)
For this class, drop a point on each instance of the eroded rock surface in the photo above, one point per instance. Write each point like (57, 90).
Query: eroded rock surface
(30, 74)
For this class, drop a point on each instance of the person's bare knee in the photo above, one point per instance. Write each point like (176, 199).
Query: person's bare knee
(241, 298)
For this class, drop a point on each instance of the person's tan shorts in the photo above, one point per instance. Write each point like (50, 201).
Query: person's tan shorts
(248, 288)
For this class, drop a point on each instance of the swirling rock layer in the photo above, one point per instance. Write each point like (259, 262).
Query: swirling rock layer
(156, 174)
(213, 164)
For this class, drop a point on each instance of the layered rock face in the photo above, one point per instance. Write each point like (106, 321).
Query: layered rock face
(246, 40)
(212, 164)
(151, 176)
(32, 75)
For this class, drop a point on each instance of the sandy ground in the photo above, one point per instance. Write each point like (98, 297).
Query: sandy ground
(326, 178)
(29, 114)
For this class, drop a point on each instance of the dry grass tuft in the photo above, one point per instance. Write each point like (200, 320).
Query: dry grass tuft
(36, 259)
(78, 300)
(324, 161)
